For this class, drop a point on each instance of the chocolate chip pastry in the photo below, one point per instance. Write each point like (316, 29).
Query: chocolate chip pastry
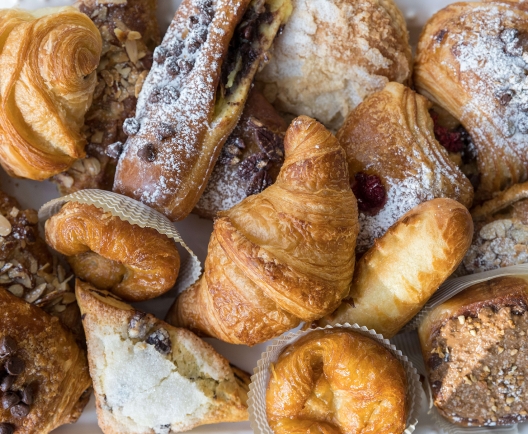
(192, 99)
(476, 352)
(129, 30)
(250, 160)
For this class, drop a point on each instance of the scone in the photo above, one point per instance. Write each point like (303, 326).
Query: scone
(150, 377)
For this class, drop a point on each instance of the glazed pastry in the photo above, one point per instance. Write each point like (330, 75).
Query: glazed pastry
(470, 61)
(394, 161)
(250, 160)
(192, 99)
(133, 262)
(29, 271)
(44, 376)
(336, 381)
(333, 54)
(283, 256)
(47, 79)
(475, 346)
(151, 377)
(397, 276)
(130, 32)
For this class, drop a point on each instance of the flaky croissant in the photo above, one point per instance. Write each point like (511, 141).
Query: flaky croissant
(282, 256)
(47, 79)
(471, 61)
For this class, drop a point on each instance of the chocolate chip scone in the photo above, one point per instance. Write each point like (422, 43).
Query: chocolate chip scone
(129, 29)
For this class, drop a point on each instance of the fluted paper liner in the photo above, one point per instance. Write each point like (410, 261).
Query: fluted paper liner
(260, 378)
(133, 212)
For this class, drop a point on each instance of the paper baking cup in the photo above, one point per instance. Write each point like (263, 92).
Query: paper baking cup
(260, 378)
(452, 287)
(133, 212)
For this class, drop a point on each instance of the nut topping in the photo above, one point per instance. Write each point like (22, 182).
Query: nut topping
(5, 226)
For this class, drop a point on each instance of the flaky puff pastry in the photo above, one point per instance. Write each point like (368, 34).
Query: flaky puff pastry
(390, 137)
(47, 79)
(470, 60)
(133, 262)
(283, 256)
(397, 276)
(335, 382)
(54, 367)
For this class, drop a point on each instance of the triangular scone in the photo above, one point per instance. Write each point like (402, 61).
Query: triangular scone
(150, 377)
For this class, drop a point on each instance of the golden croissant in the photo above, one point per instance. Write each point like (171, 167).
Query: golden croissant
(283, 256)
(48, 60)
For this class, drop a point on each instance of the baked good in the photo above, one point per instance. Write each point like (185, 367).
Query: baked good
(395, 162)
(501, 232)
(470, 61)
(130, 32)
(151, 377)
(192, 99)
(47, 79)
(283, 256)
(250, 160)
(336, 381)
(29, 271)
(44, 376)
(333, 54)
(396, 277)
(136, 263)
(475, 346)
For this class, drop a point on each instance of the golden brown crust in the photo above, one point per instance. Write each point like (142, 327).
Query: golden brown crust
(47, 70)
(391, 135)
(149, 260)
(186, 111)
(465, 56)
(130, 32)
(336, 381)
(282, 256)
(52, 360)
(396, 277)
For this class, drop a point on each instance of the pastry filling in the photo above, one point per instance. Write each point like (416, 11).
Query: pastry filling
(370, 193)
(479, 367)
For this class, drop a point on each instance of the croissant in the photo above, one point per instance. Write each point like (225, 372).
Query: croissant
(47, 79)
(471, 61)
(283, 256)
(395, 162)
(130, 32)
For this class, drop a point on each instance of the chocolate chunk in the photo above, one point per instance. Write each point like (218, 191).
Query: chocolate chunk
(523, 125)
(170, 94)
(265, 18)
(172, 66)
(20, 410)
(9, 399)
(205, 19)
(114, 150)
(176, 48)
(260, 181)
(161, 341)
(253, 164)
(439, 37)
(147, 153)
(434, 362)
(160, 54)
(248, 33)
(512, 44)
(192, 45)
(138, 326)
(131, 126)
(272, 144)
(193, 20)
(505, 96)
(8, 346)
(15, 366)
(6, 428)
(201, 36)
(7, 382)
(155, 96)
(164, 131)
(185, 66)
(28, 393)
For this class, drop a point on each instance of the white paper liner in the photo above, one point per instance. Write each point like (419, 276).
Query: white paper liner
(452, 287)
(260, 378)
(136, 213)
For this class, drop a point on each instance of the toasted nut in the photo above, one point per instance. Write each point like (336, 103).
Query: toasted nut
(513, 352)
(5, 226)
(17, 290)
(461, 319)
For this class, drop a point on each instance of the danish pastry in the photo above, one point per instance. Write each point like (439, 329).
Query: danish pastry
(337, 381)
(130, 32)
(396, 277)
(474, 346)
(47, 79)
(133, 262)
(193, 98)
(283, 256)
(395, 162)
(44, 376)
(151, 377)
(471, 61)
(333, 54)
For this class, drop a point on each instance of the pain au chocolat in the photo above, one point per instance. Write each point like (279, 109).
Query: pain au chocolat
(192, 99)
